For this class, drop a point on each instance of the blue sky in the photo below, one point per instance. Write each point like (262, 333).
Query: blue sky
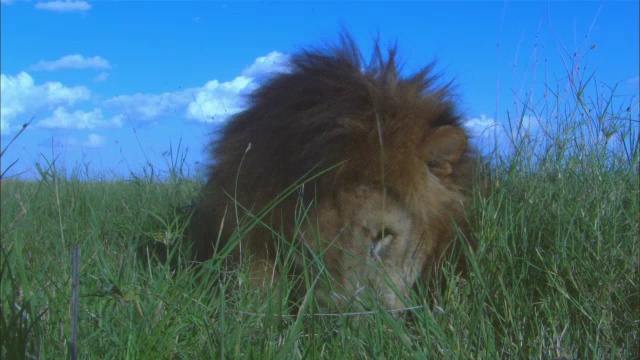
(111, 85)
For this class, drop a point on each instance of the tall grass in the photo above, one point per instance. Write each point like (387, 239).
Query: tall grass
(556, 273)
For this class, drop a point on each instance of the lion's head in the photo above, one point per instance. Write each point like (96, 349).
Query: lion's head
(348, 161)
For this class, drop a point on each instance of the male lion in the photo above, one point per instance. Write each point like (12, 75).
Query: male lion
(348, 162)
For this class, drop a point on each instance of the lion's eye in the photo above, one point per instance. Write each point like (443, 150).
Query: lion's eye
(439, 168)
(380, 244)
(432, 164)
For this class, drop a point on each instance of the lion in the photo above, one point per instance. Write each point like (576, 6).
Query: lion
(378, 164)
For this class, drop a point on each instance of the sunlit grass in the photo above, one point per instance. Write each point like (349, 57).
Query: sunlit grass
(556, 273)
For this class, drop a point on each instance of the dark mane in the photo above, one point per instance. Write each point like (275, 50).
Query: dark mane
(330, 98)
(331, 108)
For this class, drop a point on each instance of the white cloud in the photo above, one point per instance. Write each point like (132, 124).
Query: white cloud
(490, 135)
(482, 126)
(215, 101)
(103, 76)
(486, 132)
(95, 141)
(80, 120)
(20, 96)
(272, 62)
(74, 61)
(527, 126)
(92, 141)
(62, 6)
(151, 107)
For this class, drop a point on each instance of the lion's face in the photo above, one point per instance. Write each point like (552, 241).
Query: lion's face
(368, 242)
(375, 241)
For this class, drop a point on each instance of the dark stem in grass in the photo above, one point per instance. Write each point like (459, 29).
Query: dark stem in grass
(24, 127)
(75, 261)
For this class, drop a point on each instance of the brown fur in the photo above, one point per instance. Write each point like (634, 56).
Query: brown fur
(396, 156)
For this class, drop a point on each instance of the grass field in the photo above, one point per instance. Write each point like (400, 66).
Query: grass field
(556, 274)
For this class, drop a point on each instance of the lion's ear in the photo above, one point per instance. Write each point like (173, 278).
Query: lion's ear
(443, 148)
